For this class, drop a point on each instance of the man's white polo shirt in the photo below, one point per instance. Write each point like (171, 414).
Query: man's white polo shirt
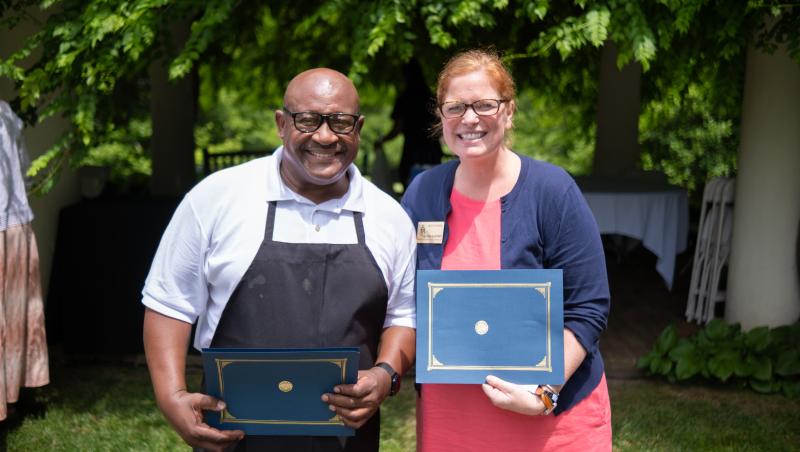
(219, 225)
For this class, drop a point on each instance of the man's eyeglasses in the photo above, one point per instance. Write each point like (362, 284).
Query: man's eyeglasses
(483, 107)
(310, 121)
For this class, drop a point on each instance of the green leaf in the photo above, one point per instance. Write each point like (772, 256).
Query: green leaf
(682, 349)
(788, 363)
(665, 366)
(644, 361)
(660, 366)
(794, 333)
(791, 388)
(666, 340)
(764, 387)
(758, 339)
(702, 339)
(597, 26)
(41, 162)
(723, 365)
(782, 335)
(688, 366)
(717, 330)
(762, 367)
(746, 367)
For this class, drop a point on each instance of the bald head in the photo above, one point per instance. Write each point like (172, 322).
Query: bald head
(323, 84)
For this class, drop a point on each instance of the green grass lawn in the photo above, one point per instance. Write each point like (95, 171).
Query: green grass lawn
(111, 408)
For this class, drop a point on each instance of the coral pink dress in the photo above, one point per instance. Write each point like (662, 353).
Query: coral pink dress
(461, 417)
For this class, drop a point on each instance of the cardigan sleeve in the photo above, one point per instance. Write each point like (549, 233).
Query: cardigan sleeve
(573, 244)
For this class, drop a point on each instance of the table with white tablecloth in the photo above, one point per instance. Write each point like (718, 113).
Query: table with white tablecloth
(658, 215)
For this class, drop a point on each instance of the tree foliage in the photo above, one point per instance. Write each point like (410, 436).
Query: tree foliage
(91, 57)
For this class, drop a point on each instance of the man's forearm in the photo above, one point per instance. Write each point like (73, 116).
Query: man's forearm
(397, 348)
(165, 343)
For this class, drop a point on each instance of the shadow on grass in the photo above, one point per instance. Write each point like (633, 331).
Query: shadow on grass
(29, 406)
(90, 404)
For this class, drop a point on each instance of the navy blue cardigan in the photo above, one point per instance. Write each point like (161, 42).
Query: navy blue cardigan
(545, 223)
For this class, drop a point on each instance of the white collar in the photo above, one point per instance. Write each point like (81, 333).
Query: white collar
(276, 189)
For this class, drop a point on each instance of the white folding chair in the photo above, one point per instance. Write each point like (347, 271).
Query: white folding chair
(708, 220)
(721, 247)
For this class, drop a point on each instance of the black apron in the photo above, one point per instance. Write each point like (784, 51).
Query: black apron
(309, 295)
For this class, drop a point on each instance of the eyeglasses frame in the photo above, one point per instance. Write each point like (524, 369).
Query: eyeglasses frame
(472, 106)
(325, 119)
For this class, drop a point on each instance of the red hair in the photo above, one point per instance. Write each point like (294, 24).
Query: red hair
(474, 60)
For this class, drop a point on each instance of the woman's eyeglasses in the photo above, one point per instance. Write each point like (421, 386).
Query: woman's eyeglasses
(483, 107)
(310, 121)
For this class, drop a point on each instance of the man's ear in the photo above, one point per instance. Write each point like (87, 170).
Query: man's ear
(280, 121)
(359, 124)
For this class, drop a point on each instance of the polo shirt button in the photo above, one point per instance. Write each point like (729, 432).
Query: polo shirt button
(316, 228)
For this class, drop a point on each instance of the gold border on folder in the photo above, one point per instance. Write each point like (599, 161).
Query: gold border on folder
(434, 289)
(226, 416)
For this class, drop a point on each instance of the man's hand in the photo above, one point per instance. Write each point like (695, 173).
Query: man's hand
(165, 342)
(355, 404)
(184, 410)
(512, 397)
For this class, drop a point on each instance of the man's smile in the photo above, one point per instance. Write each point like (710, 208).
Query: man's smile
(324, 154)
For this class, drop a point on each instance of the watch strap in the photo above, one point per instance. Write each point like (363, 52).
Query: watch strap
(549, 397)
(395, 378)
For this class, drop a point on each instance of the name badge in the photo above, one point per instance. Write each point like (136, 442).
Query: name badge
(430, 231)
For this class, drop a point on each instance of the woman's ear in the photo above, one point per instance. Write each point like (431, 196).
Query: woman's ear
(511, 107)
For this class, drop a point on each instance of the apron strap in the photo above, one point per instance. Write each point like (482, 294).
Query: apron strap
(359, 227)
(270, 226)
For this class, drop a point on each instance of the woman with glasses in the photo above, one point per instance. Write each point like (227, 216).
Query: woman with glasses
(502, 210)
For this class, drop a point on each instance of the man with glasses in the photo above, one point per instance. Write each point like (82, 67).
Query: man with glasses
(291, 250)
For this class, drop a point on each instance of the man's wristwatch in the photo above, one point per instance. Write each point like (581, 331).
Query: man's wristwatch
(393, 375)
(549, 397)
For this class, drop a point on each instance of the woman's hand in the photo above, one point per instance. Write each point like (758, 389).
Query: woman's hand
(512, 397)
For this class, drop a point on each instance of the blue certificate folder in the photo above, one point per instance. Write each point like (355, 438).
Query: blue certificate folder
(474, 323)
(277, 391)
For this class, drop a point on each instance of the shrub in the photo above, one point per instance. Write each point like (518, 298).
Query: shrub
(767, 360)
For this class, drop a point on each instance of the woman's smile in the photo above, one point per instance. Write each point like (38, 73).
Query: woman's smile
(471, 136)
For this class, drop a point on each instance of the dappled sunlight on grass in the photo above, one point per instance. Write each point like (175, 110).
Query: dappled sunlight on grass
(111, 407)
(654, 415)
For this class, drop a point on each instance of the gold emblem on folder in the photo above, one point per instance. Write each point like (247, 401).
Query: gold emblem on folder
(481, 327)
(285, 386)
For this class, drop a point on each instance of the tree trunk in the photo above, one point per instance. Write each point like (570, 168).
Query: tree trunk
(173, 109)
(617, 141)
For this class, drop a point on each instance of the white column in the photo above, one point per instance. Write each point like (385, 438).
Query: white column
(763, 287)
